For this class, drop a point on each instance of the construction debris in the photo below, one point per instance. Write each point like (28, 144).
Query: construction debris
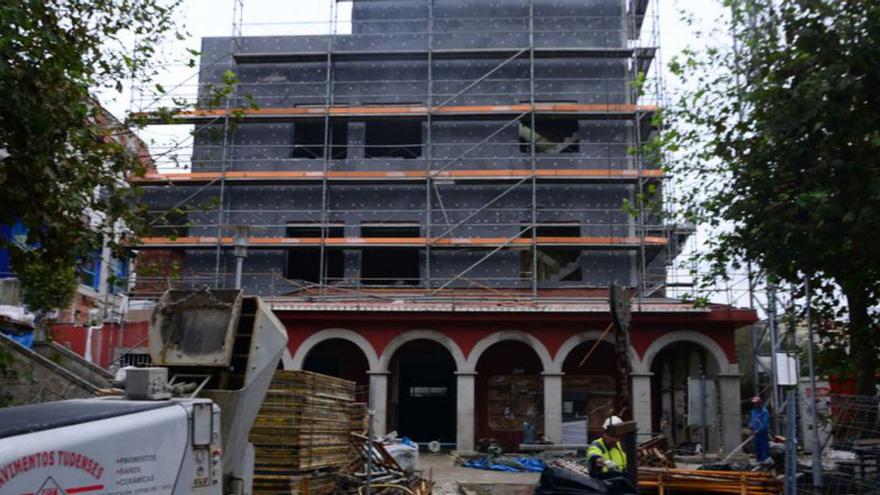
(385, 474)
(655, 453)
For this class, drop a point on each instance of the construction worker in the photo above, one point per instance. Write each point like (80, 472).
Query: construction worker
(605, 457)
(759, 423)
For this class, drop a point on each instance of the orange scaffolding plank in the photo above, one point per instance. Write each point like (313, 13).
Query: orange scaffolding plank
(294, 176)
(486, 242)
(405, 110)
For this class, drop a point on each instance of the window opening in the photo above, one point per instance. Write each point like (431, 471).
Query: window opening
(555, 264)
(308, 140)
(171, 223)
(390, 265)
(553, 135)
(393, 139)
(304, 263)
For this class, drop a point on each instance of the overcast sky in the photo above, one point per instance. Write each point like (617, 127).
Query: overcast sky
(214, 18)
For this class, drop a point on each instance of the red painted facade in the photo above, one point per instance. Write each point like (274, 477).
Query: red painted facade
(507, 358)
(552, 329)
(105, 341)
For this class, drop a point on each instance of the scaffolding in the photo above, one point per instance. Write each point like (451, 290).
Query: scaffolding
(560, 103)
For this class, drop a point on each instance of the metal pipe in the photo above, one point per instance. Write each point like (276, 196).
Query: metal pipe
(239, 262)
(371, 413)
(791, 443)
(532, 152)
(772, 327)
(817, 444)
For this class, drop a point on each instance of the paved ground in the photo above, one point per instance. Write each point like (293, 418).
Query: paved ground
(447, 475)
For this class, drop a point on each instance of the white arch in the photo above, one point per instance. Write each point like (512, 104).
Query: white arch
(589, 336)
(411, 335)
(701, 339)
(515, 335)
(299, 357)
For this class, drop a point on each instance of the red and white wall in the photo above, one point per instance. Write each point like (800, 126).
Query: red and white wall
(478, 355)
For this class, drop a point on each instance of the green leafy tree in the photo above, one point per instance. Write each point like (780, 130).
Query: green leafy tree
(777, 145)
(63, 159)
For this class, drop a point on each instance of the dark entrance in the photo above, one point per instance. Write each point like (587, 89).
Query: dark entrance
(425, 395)
(342, 359)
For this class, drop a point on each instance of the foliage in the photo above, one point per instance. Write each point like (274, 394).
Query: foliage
(65, 157)
(777, 147)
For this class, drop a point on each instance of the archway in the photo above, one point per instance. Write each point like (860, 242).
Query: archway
(672, 366)
(510, 389)
(423, 391)
(343, 359)
(589, 391)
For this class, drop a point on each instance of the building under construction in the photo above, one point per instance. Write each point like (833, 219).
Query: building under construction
(434, 196)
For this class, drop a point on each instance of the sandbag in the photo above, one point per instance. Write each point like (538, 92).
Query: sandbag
(406, 455)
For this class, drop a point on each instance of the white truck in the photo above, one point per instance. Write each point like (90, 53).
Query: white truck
(216, 351)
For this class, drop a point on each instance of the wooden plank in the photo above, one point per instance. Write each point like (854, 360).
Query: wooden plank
(398, 111)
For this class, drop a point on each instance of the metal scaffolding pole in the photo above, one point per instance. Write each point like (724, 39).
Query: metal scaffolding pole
(328, 150)
(814, 406)
(532, 152)
(773, 328)
(237, 21)
(429, 158)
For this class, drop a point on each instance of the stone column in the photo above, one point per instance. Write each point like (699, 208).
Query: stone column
(378, 400)
(641, 399)
(553, 407)
(465, 412)
(731, 418)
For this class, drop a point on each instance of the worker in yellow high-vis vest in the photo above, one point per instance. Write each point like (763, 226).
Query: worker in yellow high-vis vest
(605, 457)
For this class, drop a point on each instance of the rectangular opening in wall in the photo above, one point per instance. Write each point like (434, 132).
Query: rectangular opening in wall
(390, 265)
(169, 223)
(308, 140)
(554, 264)
(393, 139)
(304, 263)
(428, 391)
(553, 135)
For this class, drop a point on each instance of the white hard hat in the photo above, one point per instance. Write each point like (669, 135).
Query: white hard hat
(613, 420)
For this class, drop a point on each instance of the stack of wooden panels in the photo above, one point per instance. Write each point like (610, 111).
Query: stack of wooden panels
(303, 427)
(308, 484)
(359, 417)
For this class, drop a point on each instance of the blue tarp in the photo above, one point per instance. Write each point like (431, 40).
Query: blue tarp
(26, 339)
(510, 464)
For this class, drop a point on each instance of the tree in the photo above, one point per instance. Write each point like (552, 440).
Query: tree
(65, 159)
(777, 146)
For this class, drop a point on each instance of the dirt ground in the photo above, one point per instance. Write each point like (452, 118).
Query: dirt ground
(448, 477)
